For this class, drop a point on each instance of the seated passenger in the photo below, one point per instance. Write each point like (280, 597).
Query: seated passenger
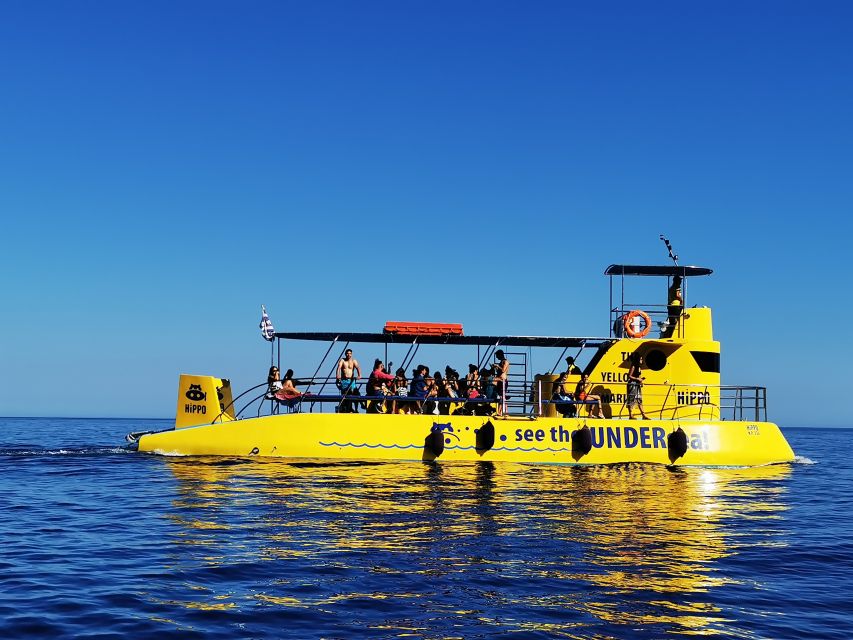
(400, 388)
(488, 391)
(288, 392)
(273, 382)
(451, 382)
(377, 386)
(582, 394)
(472, 380)
(449, 390)
(562, 399)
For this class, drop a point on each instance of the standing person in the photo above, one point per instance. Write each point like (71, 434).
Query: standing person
(674, 307)
(433, 383)
(419, 387)
(582, 395)
(635, 386)
(346, 378)
(501, 378)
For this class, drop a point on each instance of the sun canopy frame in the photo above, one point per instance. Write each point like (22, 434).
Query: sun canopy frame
(655, 270)
(390, 338)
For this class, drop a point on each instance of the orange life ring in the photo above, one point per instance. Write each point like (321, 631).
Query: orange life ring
(629, 324)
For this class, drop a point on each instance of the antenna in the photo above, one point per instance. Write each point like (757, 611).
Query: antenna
(669, 248)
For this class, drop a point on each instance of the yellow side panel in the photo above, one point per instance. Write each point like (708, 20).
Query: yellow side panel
(396, 437)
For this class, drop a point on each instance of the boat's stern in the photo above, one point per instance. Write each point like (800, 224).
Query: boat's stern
(201, 400)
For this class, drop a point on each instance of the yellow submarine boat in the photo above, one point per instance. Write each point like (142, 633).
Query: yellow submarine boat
(692, 418)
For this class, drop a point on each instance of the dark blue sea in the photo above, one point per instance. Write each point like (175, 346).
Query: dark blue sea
(98, 542)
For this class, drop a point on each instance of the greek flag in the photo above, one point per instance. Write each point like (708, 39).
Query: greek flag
(267, 330)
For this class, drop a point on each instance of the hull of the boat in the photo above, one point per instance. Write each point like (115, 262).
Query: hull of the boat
(542, 440)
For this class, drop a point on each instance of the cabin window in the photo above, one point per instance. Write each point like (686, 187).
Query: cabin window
(655, 360)
(708, 361)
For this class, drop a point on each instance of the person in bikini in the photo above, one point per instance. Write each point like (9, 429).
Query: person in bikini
(346, 378)
(582, 394)
(288, 390)
(501, 378)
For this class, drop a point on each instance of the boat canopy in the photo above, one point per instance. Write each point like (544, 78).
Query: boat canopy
(655, 270)
(390, 338)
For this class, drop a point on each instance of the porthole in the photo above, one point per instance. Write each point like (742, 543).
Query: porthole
(655, 360)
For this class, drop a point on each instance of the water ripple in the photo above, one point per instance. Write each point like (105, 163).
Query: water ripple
(102, 543)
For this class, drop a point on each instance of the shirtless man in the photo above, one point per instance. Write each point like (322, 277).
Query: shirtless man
(346, 377)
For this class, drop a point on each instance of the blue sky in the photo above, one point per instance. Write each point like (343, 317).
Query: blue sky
(168, 167)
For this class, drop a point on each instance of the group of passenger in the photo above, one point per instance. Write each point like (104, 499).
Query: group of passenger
(567, 403)
(480, 392)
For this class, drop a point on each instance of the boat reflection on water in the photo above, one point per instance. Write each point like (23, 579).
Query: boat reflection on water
(569, 547)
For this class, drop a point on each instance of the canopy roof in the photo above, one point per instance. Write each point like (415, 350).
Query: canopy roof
(652, 270)
(390, 338)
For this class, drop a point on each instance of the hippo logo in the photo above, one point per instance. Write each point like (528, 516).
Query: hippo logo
(195, 393)
(446, 428)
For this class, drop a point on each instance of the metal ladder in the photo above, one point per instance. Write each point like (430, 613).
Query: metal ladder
(518, 387)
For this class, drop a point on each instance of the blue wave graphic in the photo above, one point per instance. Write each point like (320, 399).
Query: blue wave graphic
(416, 446)
(370, 446)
